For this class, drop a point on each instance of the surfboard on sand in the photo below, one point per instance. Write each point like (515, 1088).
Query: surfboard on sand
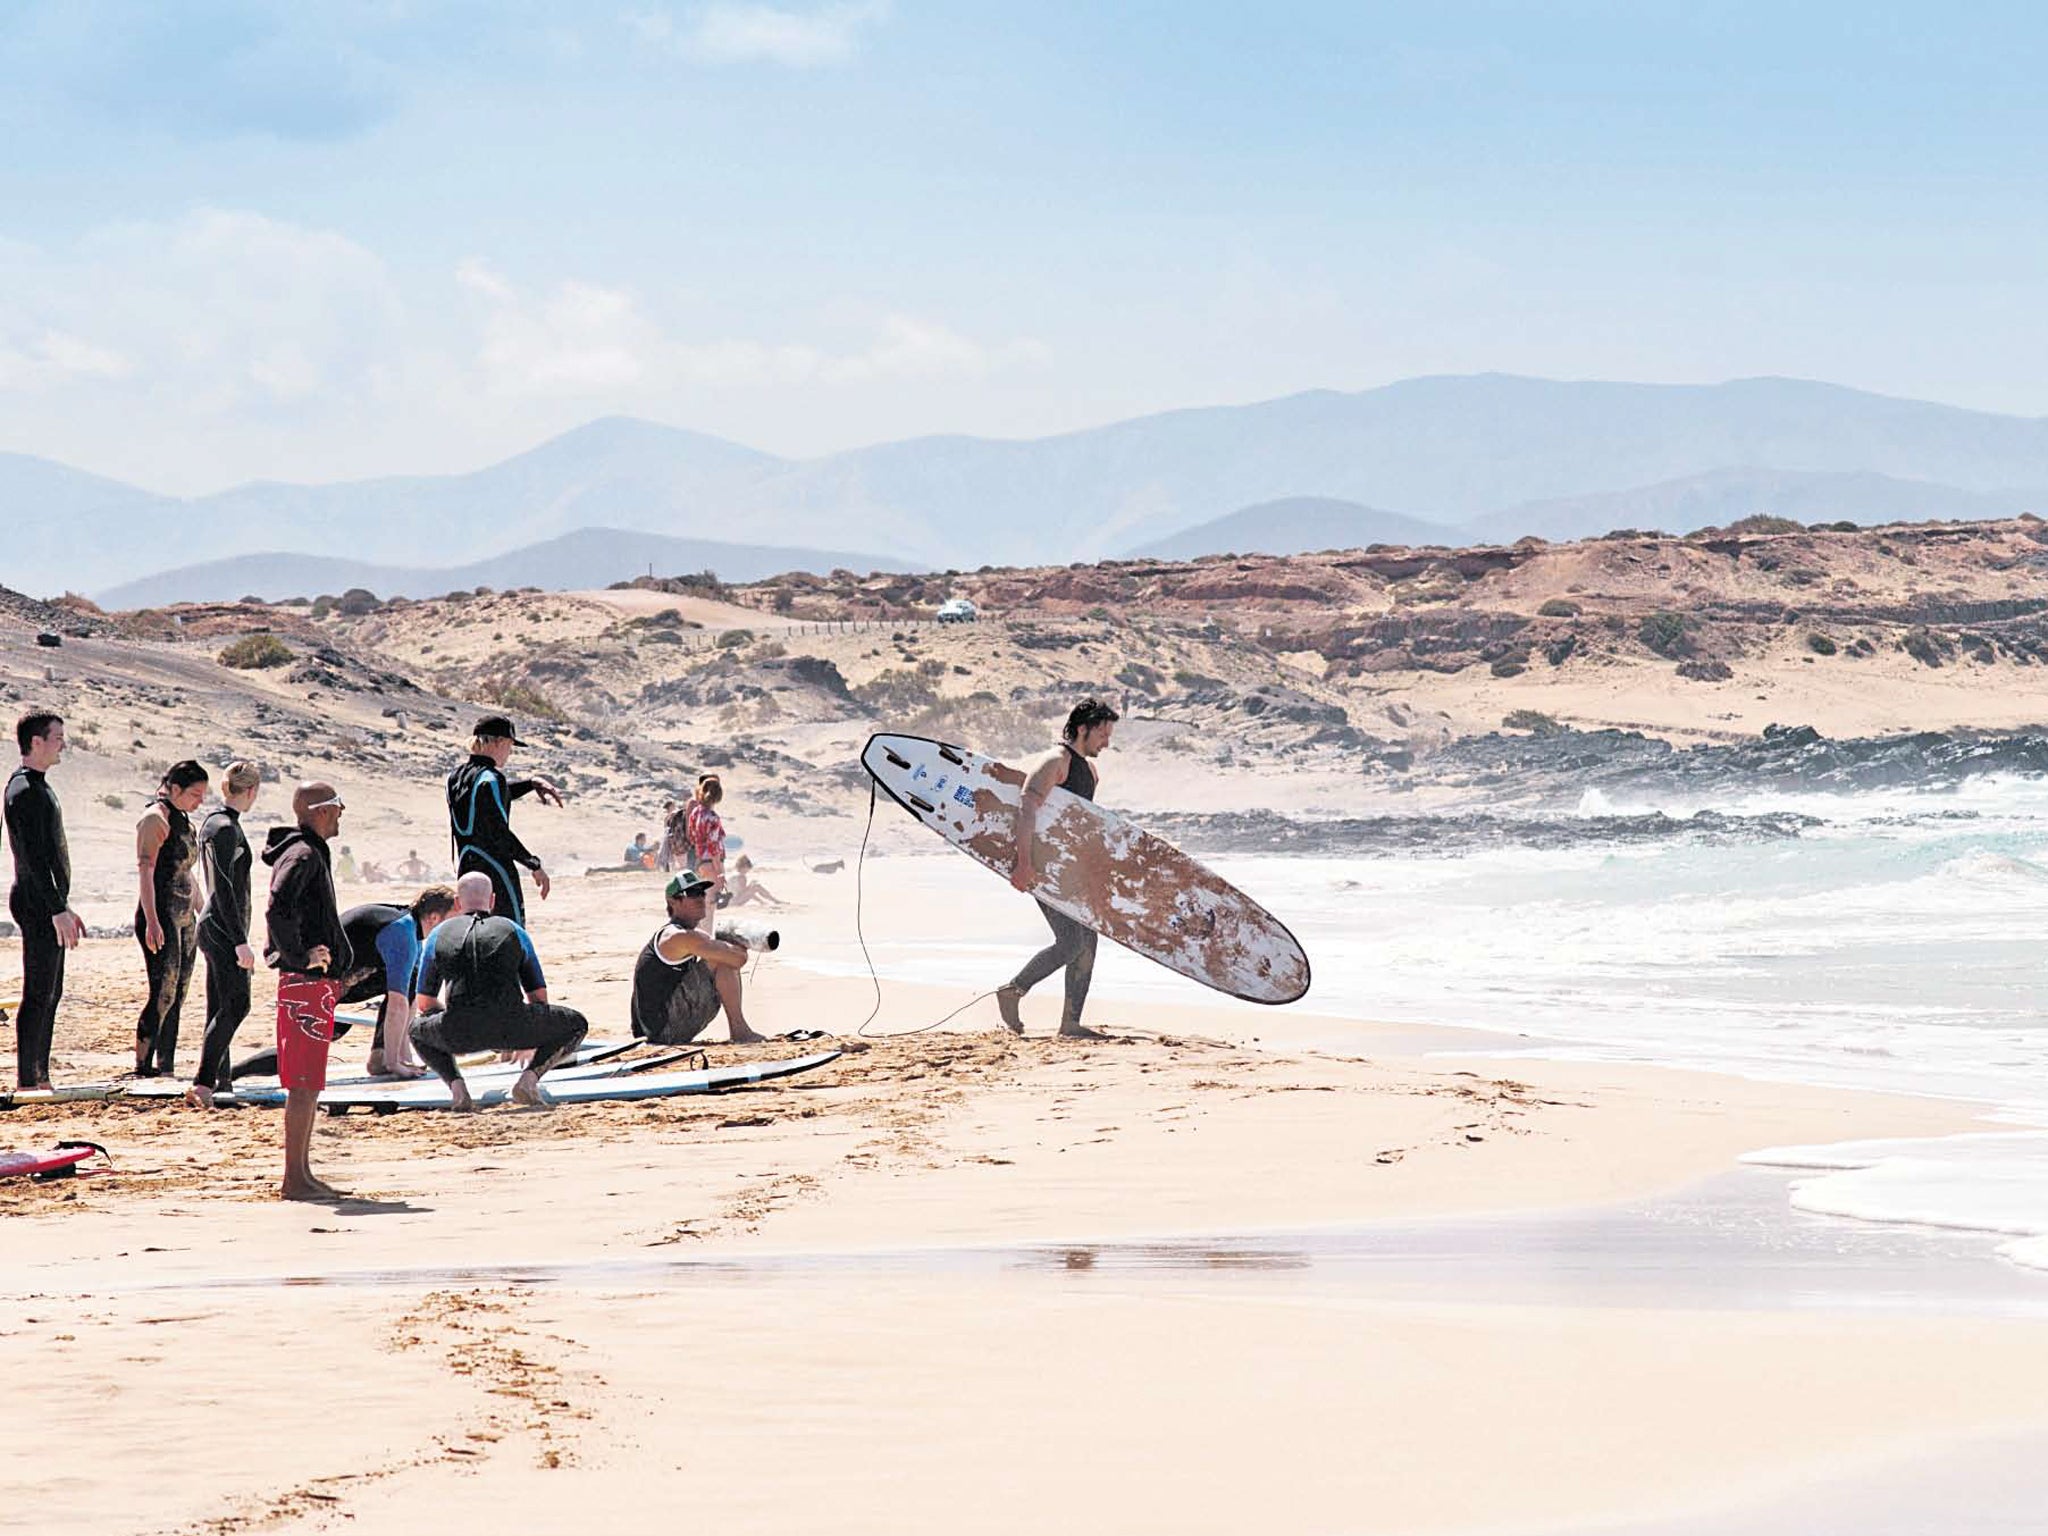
(77, 1093)
(1097, 868)
(174, 1088)
(575, 1090)
(56, 1163)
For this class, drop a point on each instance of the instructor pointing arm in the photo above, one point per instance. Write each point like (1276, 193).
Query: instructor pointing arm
(480, 817)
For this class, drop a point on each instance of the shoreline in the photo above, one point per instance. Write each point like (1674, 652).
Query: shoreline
(764, 1392)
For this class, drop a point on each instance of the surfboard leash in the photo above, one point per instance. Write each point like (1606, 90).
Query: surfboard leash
(860, 932)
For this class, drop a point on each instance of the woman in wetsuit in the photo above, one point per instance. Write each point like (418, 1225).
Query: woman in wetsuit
(167, 912)
(225, 861)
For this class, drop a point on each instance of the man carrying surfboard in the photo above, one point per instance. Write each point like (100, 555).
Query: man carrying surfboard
(1072, 768)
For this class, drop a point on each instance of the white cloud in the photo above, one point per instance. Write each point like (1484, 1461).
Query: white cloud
(725, 33)
(583, 339)
(51, 358)
(221, 306)
(195, 352)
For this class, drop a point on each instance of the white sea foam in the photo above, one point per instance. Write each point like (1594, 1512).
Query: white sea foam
(1896, 947)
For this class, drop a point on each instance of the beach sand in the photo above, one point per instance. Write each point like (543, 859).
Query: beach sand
(877, 1298)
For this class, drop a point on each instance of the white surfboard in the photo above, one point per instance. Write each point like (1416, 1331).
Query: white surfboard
(571, 1090)
(1097, 868)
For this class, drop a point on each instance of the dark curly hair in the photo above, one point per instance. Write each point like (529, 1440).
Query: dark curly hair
(1086, 714)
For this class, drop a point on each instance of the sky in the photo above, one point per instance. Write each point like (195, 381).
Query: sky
(333, 239)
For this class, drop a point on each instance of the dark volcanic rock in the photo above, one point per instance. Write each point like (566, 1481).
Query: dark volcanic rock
(1564, 765)
(1383, 836)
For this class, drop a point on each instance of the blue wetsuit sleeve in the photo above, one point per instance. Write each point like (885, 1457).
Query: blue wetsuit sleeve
(530, 976)
(398, 946)
(429, 984)
(508, 840)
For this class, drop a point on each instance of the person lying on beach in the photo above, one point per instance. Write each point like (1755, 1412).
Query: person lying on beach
(496, 997)
(746, 888)
(684, 976)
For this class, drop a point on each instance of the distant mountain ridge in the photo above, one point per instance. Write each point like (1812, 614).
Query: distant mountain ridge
(1295, 525)
(588, 558)
(1446, 451)
(1725, 495)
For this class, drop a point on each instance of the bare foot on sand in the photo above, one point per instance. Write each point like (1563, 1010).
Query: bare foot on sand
(740, 1034)
(199, 1096)
(459, 1099)
(1080, 1032)
(312, 1189)
(527, 1091)
(1007, 999)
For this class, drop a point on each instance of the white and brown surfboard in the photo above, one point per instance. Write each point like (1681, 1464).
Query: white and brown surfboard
(1097, 868)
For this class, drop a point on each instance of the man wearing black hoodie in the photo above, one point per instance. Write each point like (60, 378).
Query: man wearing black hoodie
(310, 952)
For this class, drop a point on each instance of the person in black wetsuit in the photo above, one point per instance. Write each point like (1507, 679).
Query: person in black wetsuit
(496, 997)
(388, 940)
(41, 898)
(1072, 768)
(167, 912)
(225, 861)
(480, 817)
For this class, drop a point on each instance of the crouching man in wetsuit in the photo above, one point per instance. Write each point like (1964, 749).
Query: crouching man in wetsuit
(684, 976)
(495, 997)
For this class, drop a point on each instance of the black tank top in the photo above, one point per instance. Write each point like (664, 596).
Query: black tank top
(655, 981)
(1080, 779)
(174, 867)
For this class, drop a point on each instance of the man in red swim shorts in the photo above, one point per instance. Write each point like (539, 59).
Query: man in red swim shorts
(310, 951)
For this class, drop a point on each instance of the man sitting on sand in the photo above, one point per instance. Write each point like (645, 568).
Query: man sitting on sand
(497, 998)
(684, 976)
(414, 867)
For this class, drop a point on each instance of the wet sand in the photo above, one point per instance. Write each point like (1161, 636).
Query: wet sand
(896, 1294)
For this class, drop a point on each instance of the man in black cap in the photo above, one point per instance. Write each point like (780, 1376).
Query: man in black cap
(684, 976)
(480, 817)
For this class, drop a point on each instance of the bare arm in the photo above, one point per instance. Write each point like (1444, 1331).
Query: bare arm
(150, 835)
(695, 944)
(1043, 778)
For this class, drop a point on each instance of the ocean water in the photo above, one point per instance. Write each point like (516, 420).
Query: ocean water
(1902, 945)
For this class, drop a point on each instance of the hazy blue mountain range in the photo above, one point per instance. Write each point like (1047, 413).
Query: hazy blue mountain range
(590, 557)
(1295, 525)
(1451, 451)
(1721, 496)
